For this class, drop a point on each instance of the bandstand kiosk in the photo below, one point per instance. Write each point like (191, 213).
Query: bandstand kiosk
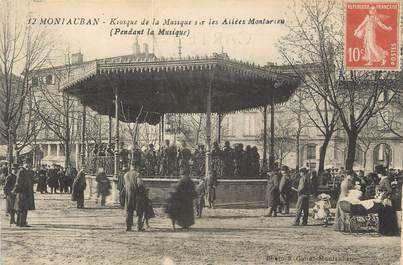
(132, 89)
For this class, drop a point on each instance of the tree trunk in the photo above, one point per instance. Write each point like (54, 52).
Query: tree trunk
(67, 143)
(265, 135)
(272, 136)
(66, 154)
(352, 144)
(16, 153)
(322, 154)
(364, 162)
(297, 153)
(9, 151)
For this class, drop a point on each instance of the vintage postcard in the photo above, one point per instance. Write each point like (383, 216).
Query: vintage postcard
(201, 132)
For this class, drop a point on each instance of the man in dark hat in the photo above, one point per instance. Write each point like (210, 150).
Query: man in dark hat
(24, 191)
(136, 156)
(228, 160)
(201, 160)
(238, 153)
(184, 159)
(216, 161)
(130, 187)
(103, 185)
(380, 170)
(273, 193)
(171, 153)
(52, 180)
(8, 192)
(124, 155)
(304, 190)
(42, 187)
(150, 160)
(285, 190)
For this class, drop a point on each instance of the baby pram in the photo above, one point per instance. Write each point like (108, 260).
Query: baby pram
(358, 218)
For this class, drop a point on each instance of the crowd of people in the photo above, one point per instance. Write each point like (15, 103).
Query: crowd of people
(170, 160)
(385, 201)
(380, 190)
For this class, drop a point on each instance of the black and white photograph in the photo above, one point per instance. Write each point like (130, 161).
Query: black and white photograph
(201, 132)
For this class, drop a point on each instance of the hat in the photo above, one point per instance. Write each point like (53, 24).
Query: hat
(324, 196)
(380, 169)
(350, 172)
(303, 170)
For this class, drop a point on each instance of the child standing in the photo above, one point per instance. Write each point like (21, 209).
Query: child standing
(149, 213)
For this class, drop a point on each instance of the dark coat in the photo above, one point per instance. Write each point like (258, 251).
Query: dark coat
(130, 182)
(180, 202)
(228, 162)
(53, 181)
(103, 184)
(149, 211)
(8, 191)
(273, 191)
(24, 190)
(79, 185)
(304, 186)
(69, 176)
(387, 215)
(141, 199)
(285, 188)
(41, 180)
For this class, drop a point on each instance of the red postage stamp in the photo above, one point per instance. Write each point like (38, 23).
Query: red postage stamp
(372, 36)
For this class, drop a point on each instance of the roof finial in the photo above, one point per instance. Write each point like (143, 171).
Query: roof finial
(222, 49)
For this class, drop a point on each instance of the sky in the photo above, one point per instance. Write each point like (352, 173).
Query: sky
(253, 43)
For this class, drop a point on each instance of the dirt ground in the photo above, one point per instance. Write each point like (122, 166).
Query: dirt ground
(61, 234)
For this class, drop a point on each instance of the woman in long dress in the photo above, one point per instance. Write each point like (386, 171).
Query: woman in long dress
(180, 203)
(339, 219)
(366, 31)
(387, 214)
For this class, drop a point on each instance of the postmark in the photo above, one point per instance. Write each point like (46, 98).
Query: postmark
(372, 36)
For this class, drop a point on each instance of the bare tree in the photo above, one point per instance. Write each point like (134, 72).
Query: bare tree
(284, 141)
(317, 43)
(298, 112)
(22, 50)
(56, 109)
(192, 129)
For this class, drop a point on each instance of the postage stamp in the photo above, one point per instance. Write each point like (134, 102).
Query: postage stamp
(372, 36)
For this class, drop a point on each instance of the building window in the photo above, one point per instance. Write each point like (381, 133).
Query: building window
(49, 80)
(381, 152)
(35, 81)
(249, 124)
(311, 151)
(229, 129)
(53, 149)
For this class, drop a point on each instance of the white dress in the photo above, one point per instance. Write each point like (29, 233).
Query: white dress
(354, 196)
